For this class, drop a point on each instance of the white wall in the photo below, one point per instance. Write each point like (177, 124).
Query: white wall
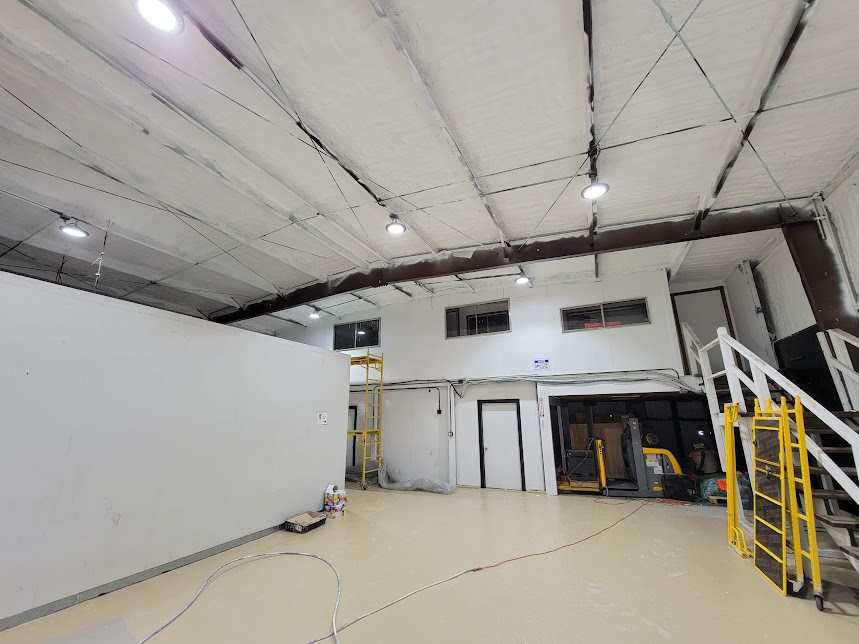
(782, 293)
(467, 445)
(415, 348)
(414, 344)
(421, 452)
(134, 436)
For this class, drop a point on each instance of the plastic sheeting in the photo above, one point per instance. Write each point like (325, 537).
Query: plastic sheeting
(390, 483)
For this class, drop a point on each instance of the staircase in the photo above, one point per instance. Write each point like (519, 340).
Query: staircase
(834, 506)
(832, 437)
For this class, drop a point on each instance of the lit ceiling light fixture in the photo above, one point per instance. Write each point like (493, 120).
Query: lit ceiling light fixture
(314, 314)
(595, 190)
(160, 14)
(395, 227)
(523, 279)
(70, 227)
(362, 333)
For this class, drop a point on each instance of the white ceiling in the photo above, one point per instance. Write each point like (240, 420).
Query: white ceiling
(456, 115)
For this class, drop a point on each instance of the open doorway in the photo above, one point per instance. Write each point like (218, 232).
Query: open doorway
(705, 310)
(629, 439)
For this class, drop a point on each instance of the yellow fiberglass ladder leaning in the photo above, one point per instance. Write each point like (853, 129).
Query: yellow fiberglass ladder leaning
(736, 536)
(775, 456)
(370, 437)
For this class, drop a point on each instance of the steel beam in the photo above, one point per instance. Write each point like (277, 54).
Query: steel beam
(650, 233)
(823, 279)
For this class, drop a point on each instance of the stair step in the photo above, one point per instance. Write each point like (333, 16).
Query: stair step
(821, 430)
(830, 495)
(837, 450)
(839, 521)
(851, 551)
(846, 414)
(821, 471)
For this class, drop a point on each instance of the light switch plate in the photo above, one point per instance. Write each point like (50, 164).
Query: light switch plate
(322, 418)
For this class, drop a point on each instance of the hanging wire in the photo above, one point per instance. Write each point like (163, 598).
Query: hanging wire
(100, 258)
(59, 278)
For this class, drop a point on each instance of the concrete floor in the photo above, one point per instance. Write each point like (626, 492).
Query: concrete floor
(663, 575)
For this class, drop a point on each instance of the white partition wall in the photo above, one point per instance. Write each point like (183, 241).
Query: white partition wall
(132, 437)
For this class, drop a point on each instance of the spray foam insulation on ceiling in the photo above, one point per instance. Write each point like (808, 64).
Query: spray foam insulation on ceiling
(210, 185)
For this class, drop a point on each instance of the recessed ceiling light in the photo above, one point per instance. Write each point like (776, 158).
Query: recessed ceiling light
(71, 228)
(160, 15)
(523, 279)
(396, 227)
(314, 315)
(595, 191)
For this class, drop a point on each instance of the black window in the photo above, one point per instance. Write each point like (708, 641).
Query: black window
(625, 313)
(582, 317)
(478, 319)
(356, 335)
(610, 314)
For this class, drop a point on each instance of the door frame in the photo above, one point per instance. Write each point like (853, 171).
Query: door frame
(686, 366)
(354, 429)
(508, 401)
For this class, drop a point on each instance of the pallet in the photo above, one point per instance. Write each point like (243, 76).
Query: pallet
(579, 486)
(715, 500)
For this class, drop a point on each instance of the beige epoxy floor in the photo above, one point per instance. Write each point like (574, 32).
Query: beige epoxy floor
(663, 575)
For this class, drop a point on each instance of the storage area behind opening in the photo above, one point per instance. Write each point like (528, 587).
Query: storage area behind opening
(621, 428)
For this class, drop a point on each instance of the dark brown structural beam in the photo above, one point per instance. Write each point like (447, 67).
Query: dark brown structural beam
(653, 233)
(822, 278)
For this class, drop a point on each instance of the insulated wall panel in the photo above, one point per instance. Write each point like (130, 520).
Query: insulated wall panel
(134, 437)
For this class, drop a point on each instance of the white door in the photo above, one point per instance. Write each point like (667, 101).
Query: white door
(502, 460)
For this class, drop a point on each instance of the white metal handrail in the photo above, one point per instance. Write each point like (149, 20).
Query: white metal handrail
(700, 353)
(761, 374)
(834, 345)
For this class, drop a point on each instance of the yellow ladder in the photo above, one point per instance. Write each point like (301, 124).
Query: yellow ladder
(736, 536)
(796, 515)
(775, 496)
(371, 434)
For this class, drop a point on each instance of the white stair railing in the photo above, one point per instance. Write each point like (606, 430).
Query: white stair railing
(762, 374)
(841, 365)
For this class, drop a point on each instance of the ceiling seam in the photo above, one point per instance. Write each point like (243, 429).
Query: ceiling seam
(190, 155)
(286, 105)
(435, 112)
(706, 201)
(616, 116)
(605, 147)
(200, 262)
(310, 144)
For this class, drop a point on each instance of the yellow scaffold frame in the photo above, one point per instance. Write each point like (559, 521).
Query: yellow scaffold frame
(768, 421)
(371, 434)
